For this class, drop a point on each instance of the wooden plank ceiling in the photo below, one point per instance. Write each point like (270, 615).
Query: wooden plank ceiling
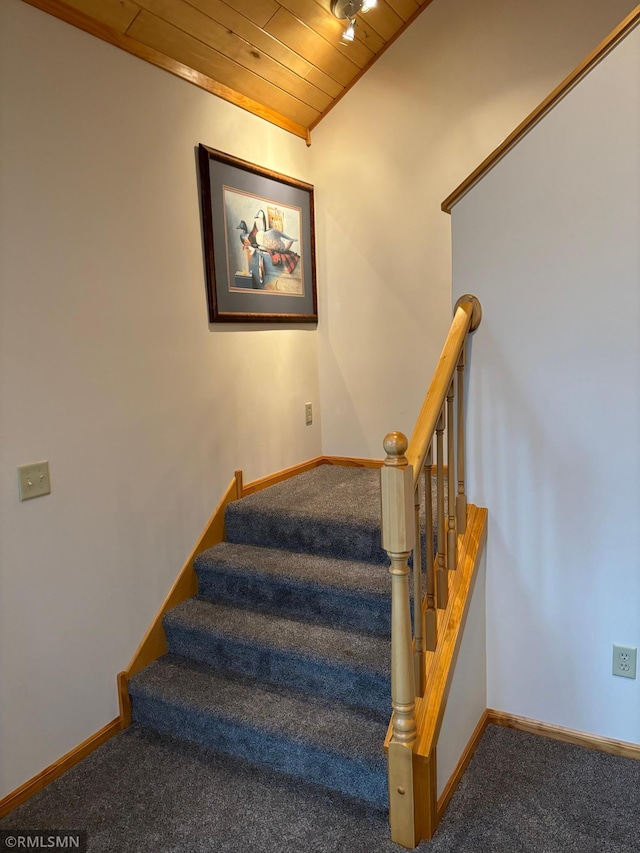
(283, 60)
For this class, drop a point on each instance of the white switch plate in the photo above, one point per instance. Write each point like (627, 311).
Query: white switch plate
(308, 413)
(33, 480)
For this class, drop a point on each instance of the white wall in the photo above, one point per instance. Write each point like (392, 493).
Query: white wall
(109, 369)
(549, 243)
(447, 92)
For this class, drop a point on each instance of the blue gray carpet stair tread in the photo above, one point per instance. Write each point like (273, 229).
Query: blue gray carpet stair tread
(208, 693)
(268, 631)
(329, 492)
(329, 510)
(320, 589)
(310, 570)
(342, 665)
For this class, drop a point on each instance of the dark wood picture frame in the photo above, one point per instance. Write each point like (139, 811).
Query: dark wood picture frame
(259, 242)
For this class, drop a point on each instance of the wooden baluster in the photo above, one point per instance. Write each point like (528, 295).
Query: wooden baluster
(418, 619)
(452, 536)
(461, 497)
(431, 618)
(398, 537)
(442, 576)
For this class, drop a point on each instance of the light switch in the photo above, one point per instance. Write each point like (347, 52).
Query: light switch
(33, 480)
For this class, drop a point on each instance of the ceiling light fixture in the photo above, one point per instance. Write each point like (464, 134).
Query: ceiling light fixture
(350, 33)
(346, 10)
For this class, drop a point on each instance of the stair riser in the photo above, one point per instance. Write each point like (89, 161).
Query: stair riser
(274, 595)
(343, 541)
(332, 681)
(355, 779)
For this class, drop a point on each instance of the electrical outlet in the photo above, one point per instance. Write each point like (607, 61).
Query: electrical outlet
(624, 661)
(308, 414)
(33, 480)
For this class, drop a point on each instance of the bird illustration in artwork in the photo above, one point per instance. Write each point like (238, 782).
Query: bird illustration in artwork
(247, 238)
(271, 239)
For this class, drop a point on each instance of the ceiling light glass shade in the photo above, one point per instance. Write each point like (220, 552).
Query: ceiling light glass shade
(350, 33)
(368, 4)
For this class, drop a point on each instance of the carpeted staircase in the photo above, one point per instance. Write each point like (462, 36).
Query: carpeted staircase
(283, 659)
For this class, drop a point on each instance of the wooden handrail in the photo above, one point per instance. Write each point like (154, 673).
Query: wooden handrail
(401, 534)
(466, 318)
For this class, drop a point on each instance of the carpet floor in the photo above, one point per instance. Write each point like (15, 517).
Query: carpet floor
(146, 793)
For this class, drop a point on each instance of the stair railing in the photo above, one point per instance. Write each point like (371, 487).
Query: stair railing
(407, 465)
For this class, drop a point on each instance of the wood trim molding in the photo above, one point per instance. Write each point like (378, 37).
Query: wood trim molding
(461, 766)
(535, 727)
(154, 643)
(613, 39)
(155, 57)
(352, 462)
(611, 746)
(294, 470)
(279, 477)
(38, 782)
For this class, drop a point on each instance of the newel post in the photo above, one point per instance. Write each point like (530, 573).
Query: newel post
(398, 536)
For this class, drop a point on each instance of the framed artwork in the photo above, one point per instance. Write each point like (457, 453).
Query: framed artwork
(259, 242)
